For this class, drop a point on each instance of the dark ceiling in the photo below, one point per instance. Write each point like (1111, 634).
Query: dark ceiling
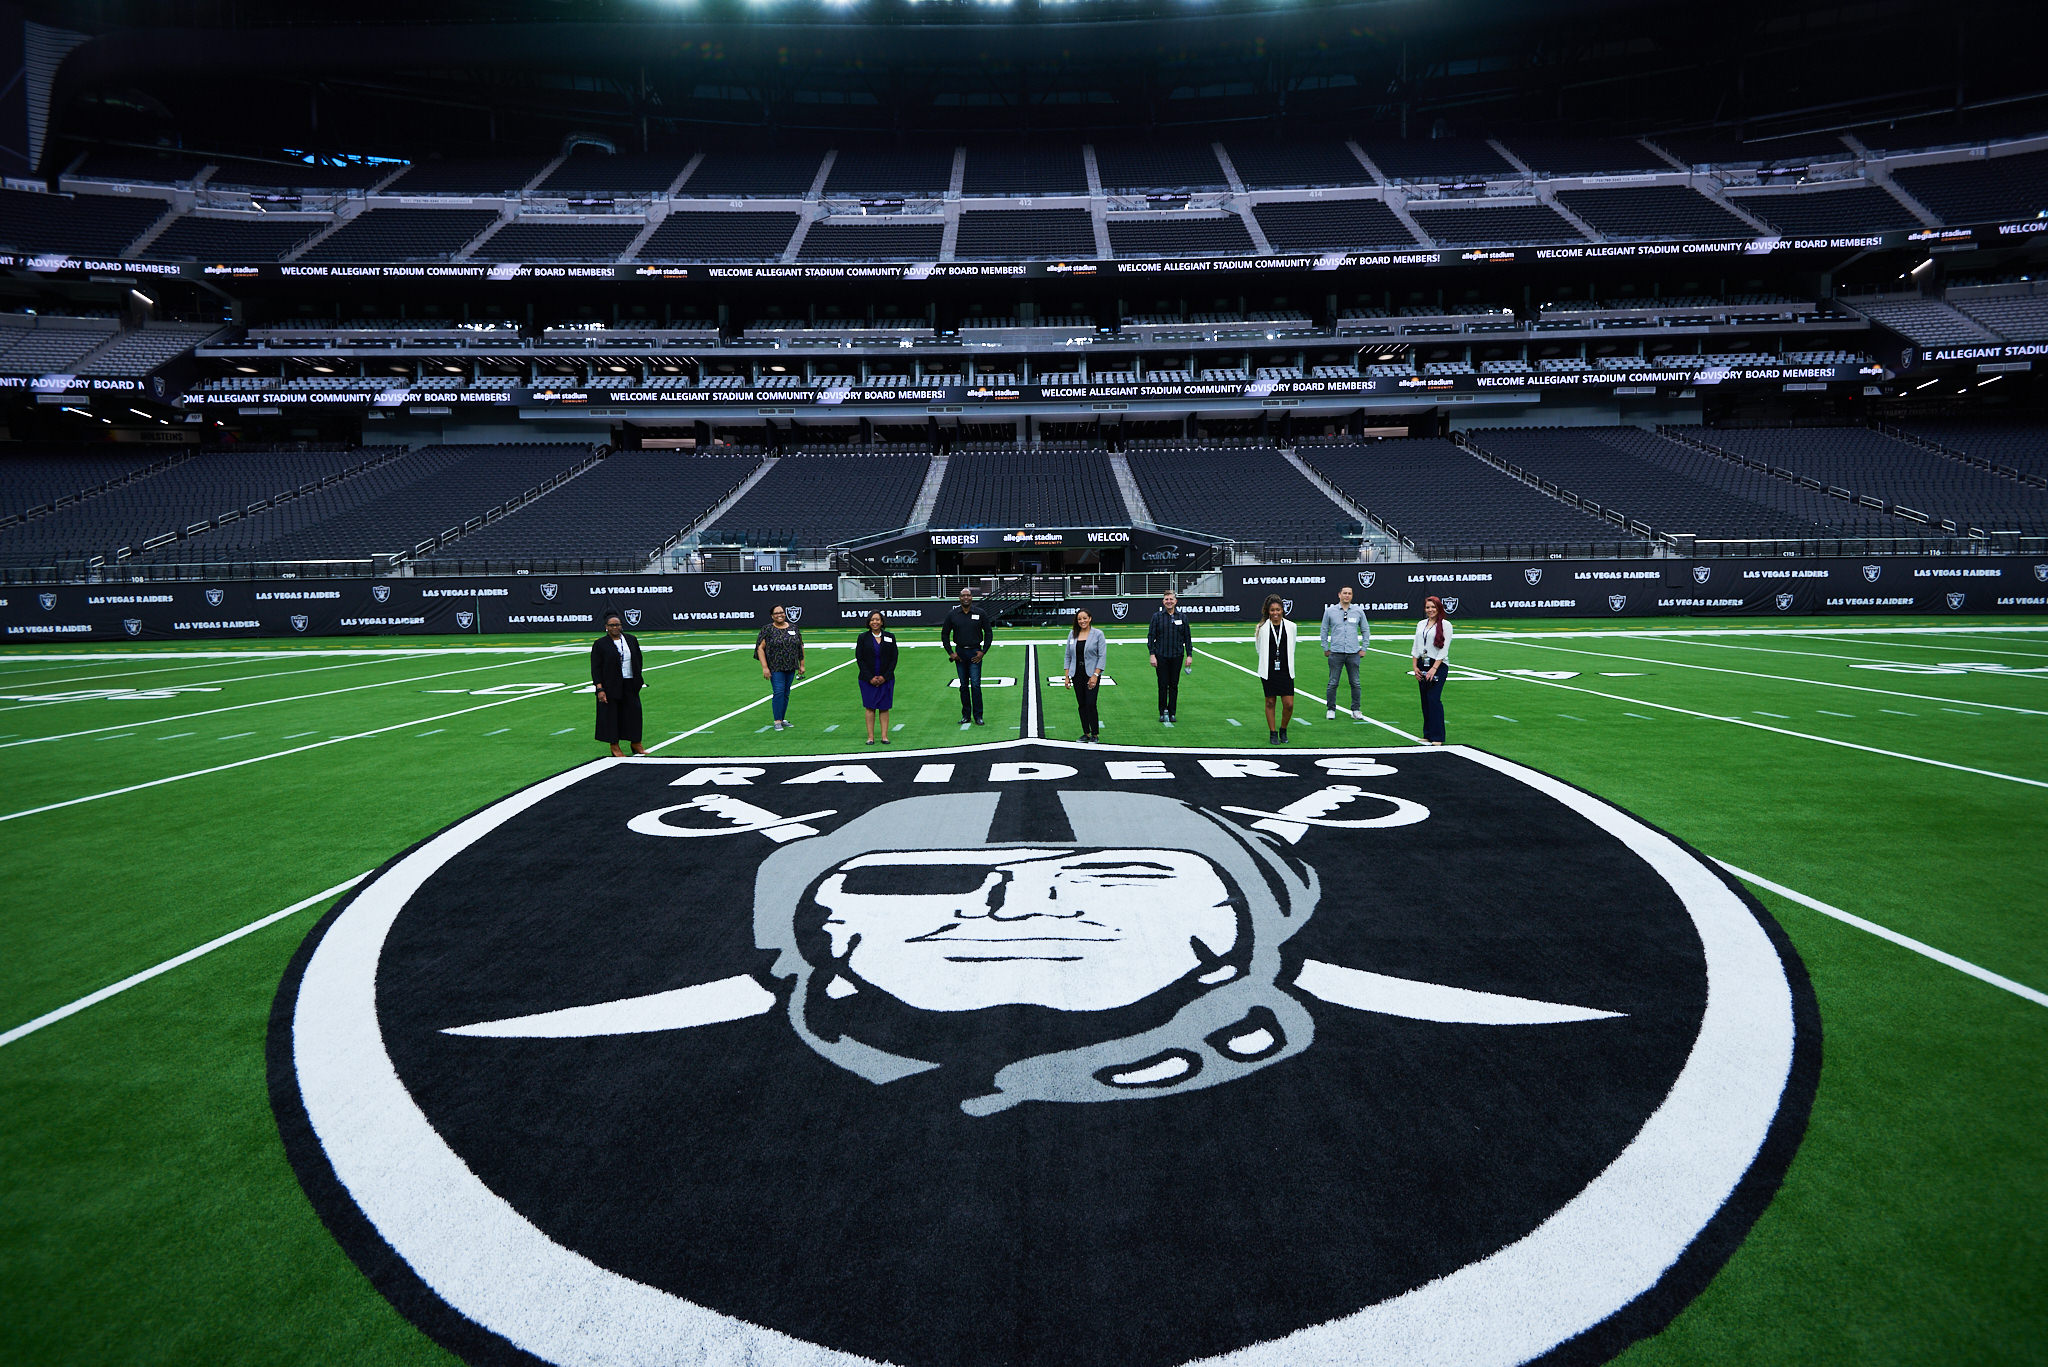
(658, 75)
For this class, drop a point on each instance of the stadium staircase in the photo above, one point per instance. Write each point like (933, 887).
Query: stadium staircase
(1127, 485)
(1568, 497)
(1385, 546)
(928, 496)
(714, 512)
(66, 500)
(1962, 457)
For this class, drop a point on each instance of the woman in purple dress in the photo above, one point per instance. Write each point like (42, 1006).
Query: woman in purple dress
(875, 653)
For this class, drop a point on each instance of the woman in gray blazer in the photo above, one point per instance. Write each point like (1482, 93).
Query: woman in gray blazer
(1087, 654)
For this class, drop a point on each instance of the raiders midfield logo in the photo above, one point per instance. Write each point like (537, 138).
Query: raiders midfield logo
(988, 1055)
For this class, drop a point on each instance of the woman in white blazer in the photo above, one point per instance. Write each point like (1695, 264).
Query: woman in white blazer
(1432, 664)
(1275, 642)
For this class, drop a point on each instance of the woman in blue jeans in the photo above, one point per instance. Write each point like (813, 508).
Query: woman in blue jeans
(780, 649)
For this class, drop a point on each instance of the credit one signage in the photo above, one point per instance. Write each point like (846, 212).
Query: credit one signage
(1936, 586)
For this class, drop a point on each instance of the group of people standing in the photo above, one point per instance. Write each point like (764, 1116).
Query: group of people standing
(968, 634)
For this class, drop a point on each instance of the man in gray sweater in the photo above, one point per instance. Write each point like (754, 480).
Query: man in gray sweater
(1345, 638)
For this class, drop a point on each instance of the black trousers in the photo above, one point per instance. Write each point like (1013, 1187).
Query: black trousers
(1169, 683)
(1085, 699)
(1433, 706)
(619, 719)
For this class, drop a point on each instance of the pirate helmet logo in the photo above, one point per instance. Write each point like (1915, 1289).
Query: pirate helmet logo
(214, 597)
(300, 621)
(1702, 573)
(2041, 573)
(796, 612)
(47, 601)
(380, 593)
(568, 1123)
(1784, 601)
(1871, 573)
(1451, 603)
(465, 619)
(1955, 602)
(713, 587)
(1617, 601)
(1365, 578)
(132, 625)
(1119, 610)
(548, 592)
(632, 616)
(1533, 575)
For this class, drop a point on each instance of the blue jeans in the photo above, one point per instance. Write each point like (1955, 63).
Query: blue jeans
(1433, 706)
(1340, 662)
(778, 691)
(970, 688)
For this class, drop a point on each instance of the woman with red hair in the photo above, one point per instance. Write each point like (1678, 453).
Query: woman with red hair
(1432, 662)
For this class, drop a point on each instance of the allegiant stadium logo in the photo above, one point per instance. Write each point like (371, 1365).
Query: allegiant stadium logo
(901, 1061)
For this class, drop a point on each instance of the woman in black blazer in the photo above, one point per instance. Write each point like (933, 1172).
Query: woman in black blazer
(875, 656)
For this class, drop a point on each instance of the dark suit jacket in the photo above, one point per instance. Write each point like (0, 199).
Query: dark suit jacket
(874, 659)
(604, 665)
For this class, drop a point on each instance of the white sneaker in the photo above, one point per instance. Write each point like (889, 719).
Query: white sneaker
(1330, 714)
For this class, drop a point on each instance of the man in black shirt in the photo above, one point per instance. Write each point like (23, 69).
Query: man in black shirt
(1171, 648)
(967, 636)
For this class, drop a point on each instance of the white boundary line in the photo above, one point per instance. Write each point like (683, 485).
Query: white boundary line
(145, 687)
(269, 702)
(1779, 678)
(1754, 725)
(1885, 933)
(136, 979)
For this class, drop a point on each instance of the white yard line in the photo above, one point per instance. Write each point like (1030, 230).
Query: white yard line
(270, 702)
(1885, 933)
(1384, 726)
(1974, 647)
(1780, 678)
(1760, 726)
(203, 683)
(800, 683)
(136, 979)
(280, 754)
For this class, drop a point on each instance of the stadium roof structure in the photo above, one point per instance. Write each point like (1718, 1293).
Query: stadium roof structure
(667, 75)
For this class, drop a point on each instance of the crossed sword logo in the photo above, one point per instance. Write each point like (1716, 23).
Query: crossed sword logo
(740, 996)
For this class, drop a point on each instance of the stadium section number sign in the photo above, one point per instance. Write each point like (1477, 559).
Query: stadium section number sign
(1041, 1054)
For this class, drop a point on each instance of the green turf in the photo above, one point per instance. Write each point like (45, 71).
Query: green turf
(147, 1213)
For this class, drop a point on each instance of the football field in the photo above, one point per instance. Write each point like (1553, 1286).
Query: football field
(176, 821)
